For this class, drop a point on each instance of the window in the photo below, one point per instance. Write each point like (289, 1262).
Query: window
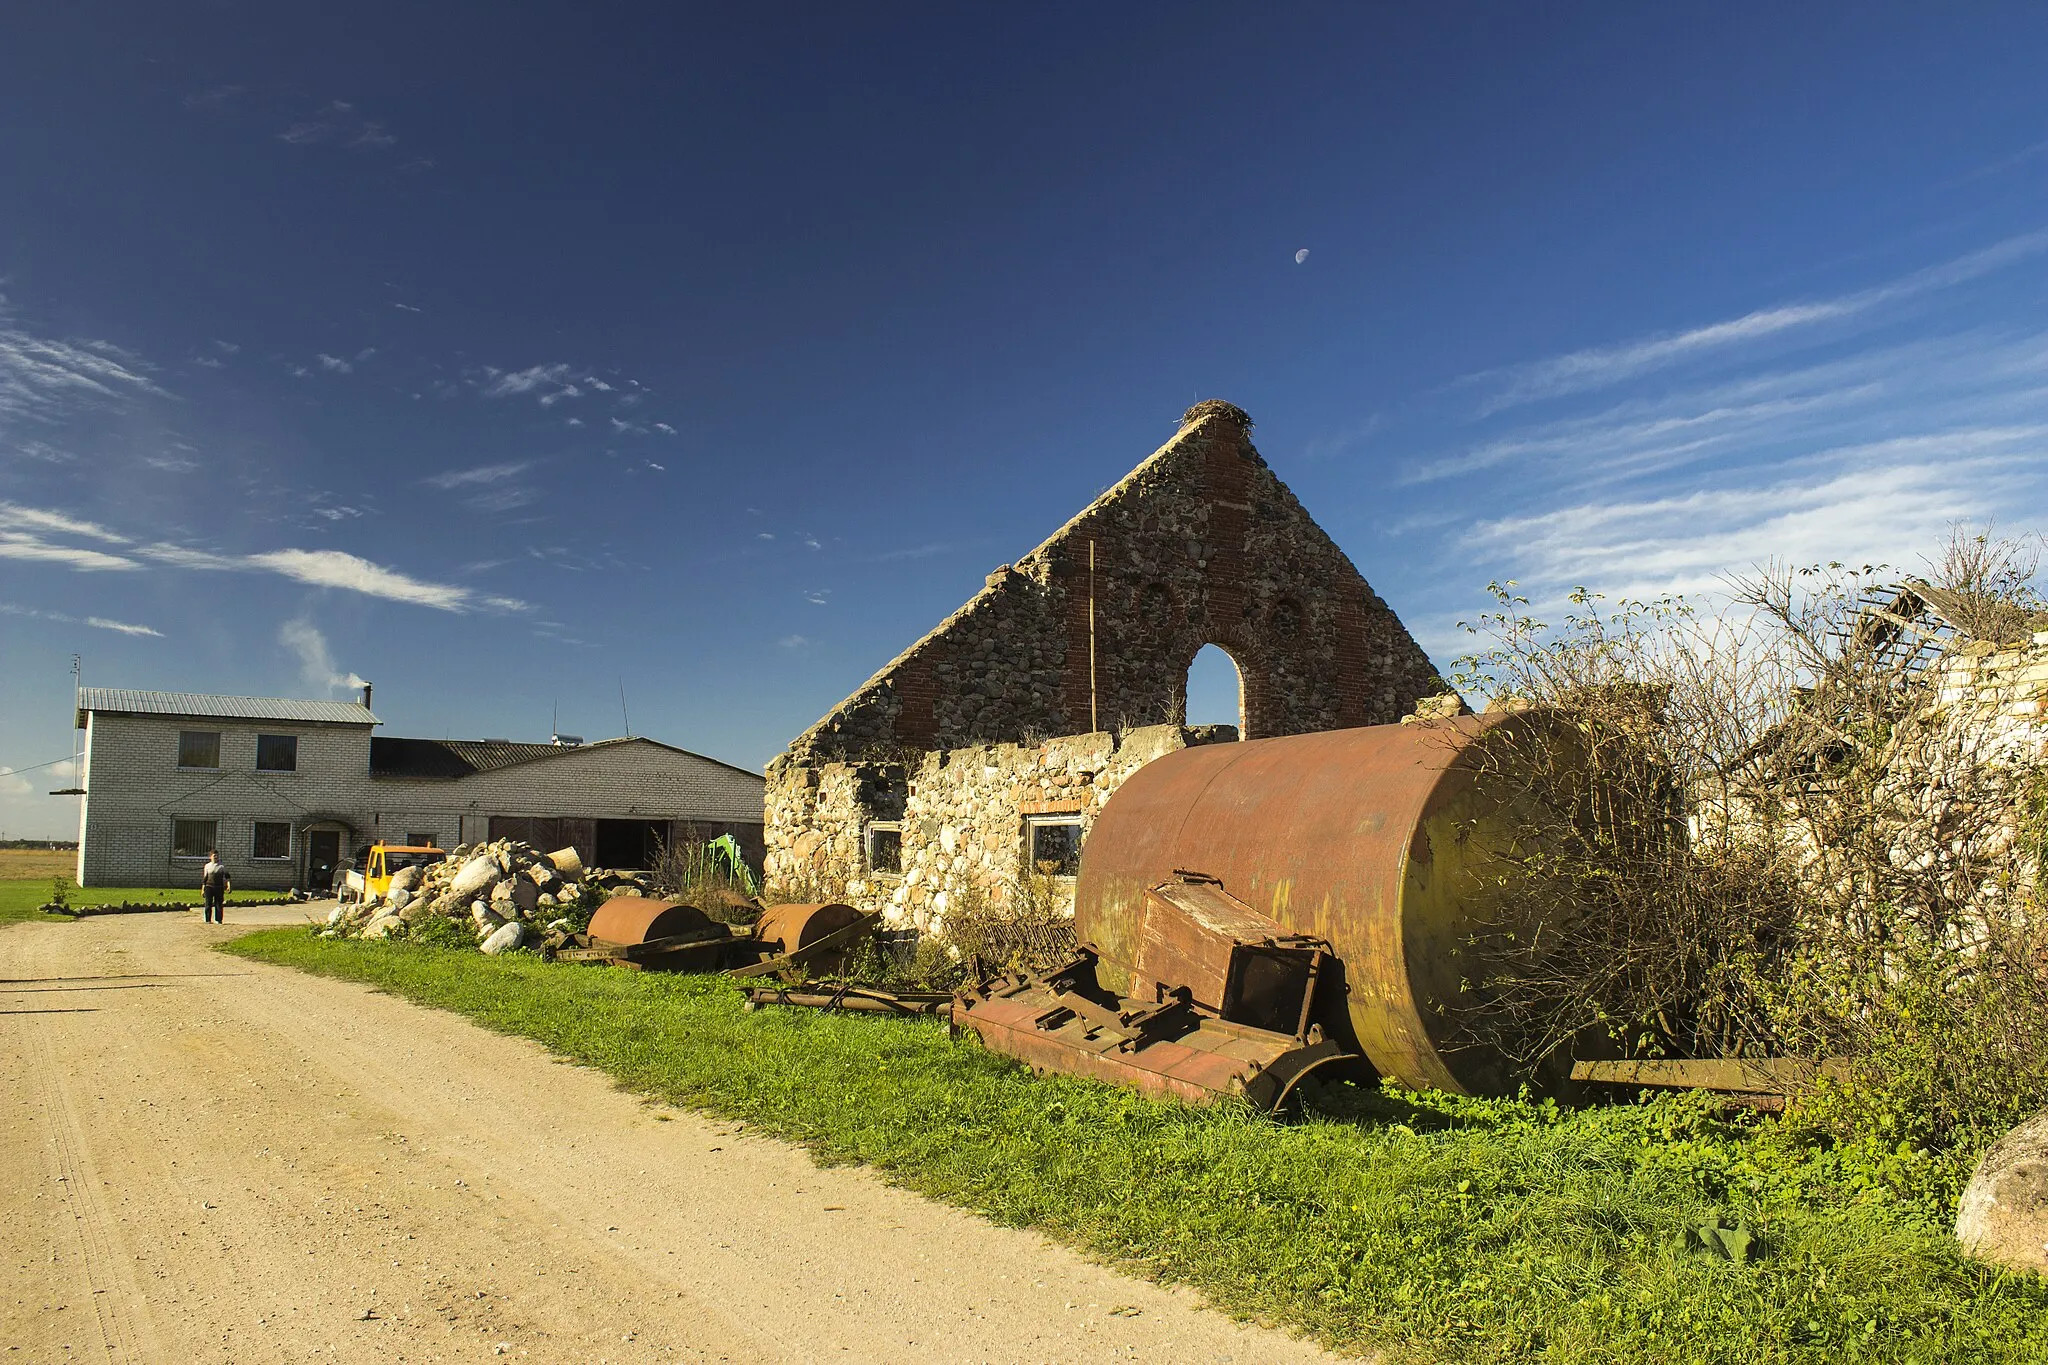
(421, 841)
(1053, 843)
(193, 838)
(277, 753)
(272, 840)
(199, 748)
(885, 847)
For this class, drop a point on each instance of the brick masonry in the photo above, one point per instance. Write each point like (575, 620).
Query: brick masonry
(1074, 660)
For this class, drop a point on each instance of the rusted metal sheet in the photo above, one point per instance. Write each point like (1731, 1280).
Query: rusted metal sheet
(636, 919)
(1065, 1021)
(1373, 840)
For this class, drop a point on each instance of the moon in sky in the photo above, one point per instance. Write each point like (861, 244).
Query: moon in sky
(1301, 256)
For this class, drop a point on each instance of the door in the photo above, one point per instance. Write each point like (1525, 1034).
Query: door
(323, 854)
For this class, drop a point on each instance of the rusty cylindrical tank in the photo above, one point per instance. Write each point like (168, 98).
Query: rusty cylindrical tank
(636, 919)
(787, 928)
(1378, 840)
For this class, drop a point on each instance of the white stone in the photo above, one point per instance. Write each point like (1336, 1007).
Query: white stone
(508, 936)
(949, 838)
(2003, 1216)
(401, 896)
(382, 926)
(476, 874)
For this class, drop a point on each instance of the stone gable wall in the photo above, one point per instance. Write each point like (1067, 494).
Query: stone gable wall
(1004, 710)
(1200, 545)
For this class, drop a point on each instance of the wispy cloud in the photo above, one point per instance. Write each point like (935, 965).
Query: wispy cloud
(480, 474)
(925, 551)
(1600, 366)
(1869, 509)
(216, 98)
(17, 545)
(13, 516)
(512, 383)
(339, 569)
(45, 378)
(503, 499)
(340, 125)
(334, 364)
(28, 533)
(64, 618)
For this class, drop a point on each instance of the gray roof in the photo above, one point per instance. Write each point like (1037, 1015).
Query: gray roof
(392, 756)
(128, 701)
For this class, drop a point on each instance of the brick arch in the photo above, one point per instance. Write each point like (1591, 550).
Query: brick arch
(1254, 682)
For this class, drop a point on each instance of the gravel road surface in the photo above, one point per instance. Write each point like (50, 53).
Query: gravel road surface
(213, 1160)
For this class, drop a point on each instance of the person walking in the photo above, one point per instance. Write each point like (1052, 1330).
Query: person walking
(214, 884)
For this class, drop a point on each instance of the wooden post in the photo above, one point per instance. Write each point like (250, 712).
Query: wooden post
(1094, 723)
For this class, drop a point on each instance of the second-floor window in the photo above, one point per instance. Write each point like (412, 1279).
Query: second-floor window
(277, 753)
(199, 748)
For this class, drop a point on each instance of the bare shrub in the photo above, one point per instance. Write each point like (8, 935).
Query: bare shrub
(1808, 824)
(1033, 929)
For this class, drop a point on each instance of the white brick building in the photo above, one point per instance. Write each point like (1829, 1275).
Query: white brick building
(286, 789)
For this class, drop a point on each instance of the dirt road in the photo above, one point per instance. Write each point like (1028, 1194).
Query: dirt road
(212, 1160)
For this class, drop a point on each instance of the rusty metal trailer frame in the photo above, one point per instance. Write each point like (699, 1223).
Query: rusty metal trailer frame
(841, 995)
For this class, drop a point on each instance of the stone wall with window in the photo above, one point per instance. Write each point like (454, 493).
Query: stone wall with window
(961, 821)
(1069, 668)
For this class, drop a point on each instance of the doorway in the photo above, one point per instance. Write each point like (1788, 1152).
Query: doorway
(631, 844)
(323, 855)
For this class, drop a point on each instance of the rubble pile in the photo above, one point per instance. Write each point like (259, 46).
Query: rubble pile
(507, 892)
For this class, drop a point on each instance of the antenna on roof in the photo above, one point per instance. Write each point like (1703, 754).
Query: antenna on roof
(623, 717)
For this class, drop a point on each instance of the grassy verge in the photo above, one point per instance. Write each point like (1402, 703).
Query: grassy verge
(1444, 1229)
(23, 900)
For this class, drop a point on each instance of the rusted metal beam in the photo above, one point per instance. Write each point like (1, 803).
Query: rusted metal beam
(1732, 1075)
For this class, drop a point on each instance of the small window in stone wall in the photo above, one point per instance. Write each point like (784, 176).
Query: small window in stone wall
(273, 841)
(885, 848)
(193, 838)
(416, 840)
(199, 748)
(1053, 844)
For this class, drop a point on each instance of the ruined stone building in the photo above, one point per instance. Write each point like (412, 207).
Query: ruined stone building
(979, 756)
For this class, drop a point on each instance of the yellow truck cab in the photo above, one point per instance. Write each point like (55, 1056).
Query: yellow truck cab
(381, 862)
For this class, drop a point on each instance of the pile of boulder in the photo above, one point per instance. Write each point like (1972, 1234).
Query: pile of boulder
(508, 892)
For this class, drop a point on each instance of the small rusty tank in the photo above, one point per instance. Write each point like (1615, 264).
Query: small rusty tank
(638, 919)
(1381, 842)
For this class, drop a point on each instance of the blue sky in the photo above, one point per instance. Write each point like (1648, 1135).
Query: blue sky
(503, 353)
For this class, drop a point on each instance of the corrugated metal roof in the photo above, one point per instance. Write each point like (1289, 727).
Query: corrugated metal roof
(392, 756)
(132, 702)
(707, 789)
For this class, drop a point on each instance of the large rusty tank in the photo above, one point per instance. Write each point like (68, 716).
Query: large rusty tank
(1381, 842)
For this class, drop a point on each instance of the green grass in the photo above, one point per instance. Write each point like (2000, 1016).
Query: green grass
(1443, 1229)
(24, 899)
